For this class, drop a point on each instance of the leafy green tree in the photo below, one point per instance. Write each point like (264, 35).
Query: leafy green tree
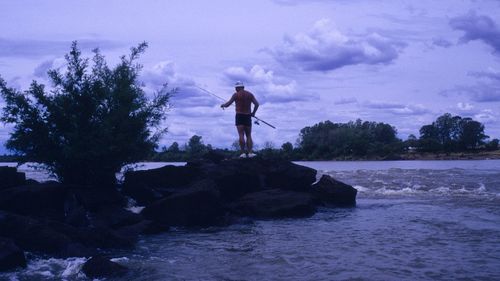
(327, 140)
(451, 133)
(492, 145)
(471, 134)
(195, 147)
(94, 120)
(173, 148)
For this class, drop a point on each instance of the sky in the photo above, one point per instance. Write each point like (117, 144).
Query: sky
(399, 62)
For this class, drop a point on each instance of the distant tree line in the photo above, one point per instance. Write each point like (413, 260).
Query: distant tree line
(452, 134)
(355, 140)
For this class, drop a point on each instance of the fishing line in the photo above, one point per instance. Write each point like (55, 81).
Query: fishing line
(256, 122)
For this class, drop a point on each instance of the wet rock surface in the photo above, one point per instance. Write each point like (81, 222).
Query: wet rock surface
(70, 220)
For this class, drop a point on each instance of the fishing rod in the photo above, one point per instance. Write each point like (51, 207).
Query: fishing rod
(256, 122)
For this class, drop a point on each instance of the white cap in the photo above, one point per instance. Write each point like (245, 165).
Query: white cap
(239, 84)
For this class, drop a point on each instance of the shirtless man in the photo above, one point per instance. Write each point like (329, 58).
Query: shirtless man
(244, 100)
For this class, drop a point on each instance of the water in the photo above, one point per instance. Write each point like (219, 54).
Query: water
(415, 220)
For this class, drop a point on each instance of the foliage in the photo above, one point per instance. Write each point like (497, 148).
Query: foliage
(327, 140)
(492, 145)
(94, 120)
(451, 133)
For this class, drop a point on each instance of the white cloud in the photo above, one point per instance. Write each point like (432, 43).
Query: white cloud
(325, 48)
(265, 84)
(187, 95)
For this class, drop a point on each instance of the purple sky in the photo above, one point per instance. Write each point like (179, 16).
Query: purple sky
(399, 62)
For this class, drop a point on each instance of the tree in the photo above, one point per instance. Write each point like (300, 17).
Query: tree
(492, 145)
(195, 147)
(93, 121)
(451, 133)
(471, 134)
(173, 148)
(327, 140)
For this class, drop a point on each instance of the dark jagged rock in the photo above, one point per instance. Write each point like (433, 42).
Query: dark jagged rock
(275, 203)
(93, 198)
(10, 255)
(72, 220)
(197, 205)
(147, 186)
(114, 217)
(10, 177)
(330, 191)
(232, 178)
(101, 267)
(36, 236)
(287, 175)
(41, 200)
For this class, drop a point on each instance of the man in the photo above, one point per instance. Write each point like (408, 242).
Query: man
(244, 113)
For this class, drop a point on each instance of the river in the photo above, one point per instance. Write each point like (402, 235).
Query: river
(414, 220)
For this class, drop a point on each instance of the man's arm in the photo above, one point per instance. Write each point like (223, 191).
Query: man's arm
(228, 103)
(255, 105)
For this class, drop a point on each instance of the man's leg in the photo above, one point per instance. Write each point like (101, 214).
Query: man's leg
(241, 134)
(248, 133)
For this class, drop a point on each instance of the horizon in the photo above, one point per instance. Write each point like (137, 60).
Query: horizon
(401, 63)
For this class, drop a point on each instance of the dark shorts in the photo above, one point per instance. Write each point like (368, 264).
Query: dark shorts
(243, 120)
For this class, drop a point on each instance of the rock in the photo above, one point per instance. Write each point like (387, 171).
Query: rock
(197, 205)
(101, 267)
(35, 236)
(10, 177)
(114, 217)
(148, 186)
(287, 175)
(274, 203)
(93, 198)
(10, 255)
(233, 178)
(41, 200)
(330, 191)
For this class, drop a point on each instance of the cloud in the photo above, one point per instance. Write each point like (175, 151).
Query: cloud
(342, 101)
(397, 108)
(441, 42)
(489, 74)
(42, 69)
(486, 117)
(265, 84)
(187, 95)
(325, 48)
(29, 48)
(485, 90)
(478, 27)
(480, 92)
(464, 106)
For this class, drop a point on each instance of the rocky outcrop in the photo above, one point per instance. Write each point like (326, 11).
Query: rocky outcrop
(197, 205)
(274, 203)
(9, 177)
(101, 267)
(10, 255)
(72, 220)
(328, 191)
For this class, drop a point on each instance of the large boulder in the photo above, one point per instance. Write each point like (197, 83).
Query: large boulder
(10, 177)
(101, 267)
(197, 205)
(147, 186)
(330, 191)
(274, 203)
(287, 175)
(94, 198)
(41, 200)
(233, 178)
(10, 255)
(36, 236)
